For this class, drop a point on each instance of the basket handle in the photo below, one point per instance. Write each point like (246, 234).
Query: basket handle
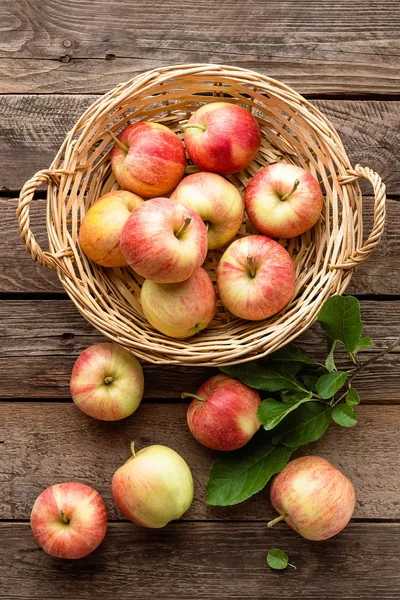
(47, 259)
(374, 237)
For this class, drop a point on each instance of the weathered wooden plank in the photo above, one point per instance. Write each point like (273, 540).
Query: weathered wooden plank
(40, 340)
(32, 129)
(209, 561)
(317, 47)
(379, 275)
(47, 443)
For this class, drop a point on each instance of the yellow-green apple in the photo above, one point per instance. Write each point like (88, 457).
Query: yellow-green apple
(102, 227)
(69, 520)
(255, 278)
(180, 310)
(223, 414)
(153, 487)
(222, 137)
(148, 159)
(107, 382)
(283, 200)
(313, 497)
(164, 241)
(218, 202)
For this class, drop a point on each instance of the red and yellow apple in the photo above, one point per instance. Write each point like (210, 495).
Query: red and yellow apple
(154, 486)
(69, 520)
(223, 414)
(107, 382)
(102, 226)
(218, 202)
(148, 159)
(313, 497)
(164, 241)
(283, 200)
(180, 310)
(255, 278)
(222, 137)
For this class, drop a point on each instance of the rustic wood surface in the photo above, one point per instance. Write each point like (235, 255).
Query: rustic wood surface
(55, 58)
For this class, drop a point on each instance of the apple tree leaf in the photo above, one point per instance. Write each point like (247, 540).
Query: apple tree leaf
(344, 415)
(327, 385)
(306, 424)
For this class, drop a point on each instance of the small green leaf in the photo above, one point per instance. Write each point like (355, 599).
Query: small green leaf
(330, 360)
(263, 378)
(237, 475)
(344, 415)
(352, 397)
(271, 412)
(291, 353)
(277, 559)
(329, 384)
(306, 424)
(364, 342)
(291, 396)
(340, 318)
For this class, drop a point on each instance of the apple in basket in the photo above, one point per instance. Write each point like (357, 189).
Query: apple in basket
(107, 382)
(283, 200)
(154, 486)
(69, 520)
(148, 159)
(313, 497)
(218, 202)
(223, 414)
(222, 137)
(102, 226)
(255, 278)
(180, 310)
(164, 241)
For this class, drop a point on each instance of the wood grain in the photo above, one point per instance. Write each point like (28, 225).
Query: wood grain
(208, 561)
(48, 443)
(317, 48)
(18, 274)
(40, 341)
(32, 129)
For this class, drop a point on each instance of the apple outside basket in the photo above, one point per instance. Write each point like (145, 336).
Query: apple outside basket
(292, 129)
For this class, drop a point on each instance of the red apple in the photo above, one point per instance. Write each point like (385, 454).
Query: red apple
(223, 414)
(154, 486)
(107, 382)
(148, 159)
(222, 137)
(313, 497)
(255, 278)
(218, 203)
(180, 310)
(283, 200)
(102, 226)
(164, 241)
(69, 520)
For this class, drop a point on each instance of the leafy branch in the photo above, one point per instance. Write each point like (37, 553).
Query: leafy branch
(302, 397)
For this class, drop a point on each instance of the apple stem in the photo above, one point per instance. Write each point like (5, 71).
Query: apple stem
(185, 395)
(184, 226)
(290, 565)
(133, 449)
(194, 126)
(277, 520)
(294, 188)
(117, 141)
(207, 224)
(64, 518)
(108, 380)
(251, 265)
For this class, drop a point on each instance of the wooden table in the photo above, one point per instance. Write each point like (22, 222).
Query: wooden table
(55, 58)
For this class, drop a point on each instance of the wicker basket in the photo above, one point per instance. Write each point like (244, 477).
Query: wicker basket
(292, 130)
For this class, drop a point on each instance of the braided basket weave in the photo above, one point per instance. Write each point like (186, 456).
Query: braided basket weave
(292, 130)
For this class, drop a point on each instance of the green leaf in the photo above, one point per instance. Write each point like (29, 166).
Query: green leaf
(329, 384)
(277, 559)
(344, 415)
(291, 396)
(290, 353)
(364, 342)
(237, 475)
(340, 318)
(306, 424)
(261, 378)
(330, 360)
(271, 412)
(352, 397)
